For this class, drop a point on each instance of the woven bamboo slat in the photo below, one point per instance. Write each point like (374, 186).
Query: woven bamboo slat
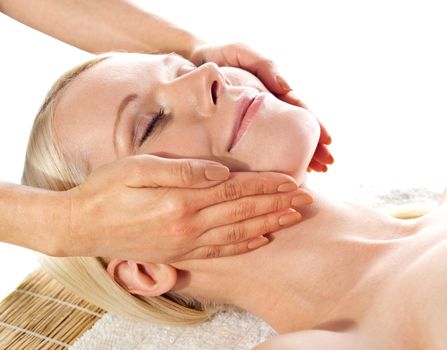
(41, 314)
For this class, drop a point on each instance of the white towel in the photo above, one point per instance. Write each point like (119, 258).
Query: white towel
(226, 330)
(229, 329)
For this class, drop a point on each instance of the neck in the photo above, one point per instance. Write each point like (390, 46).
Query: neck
(311, 274)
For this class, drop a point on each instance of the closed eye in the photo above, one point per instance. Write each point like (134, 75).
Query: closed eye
(152, 125)
(160, 116)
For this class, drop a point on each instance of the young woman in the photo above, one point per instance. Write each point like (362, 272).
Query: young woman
(123, 25)
(345, 277)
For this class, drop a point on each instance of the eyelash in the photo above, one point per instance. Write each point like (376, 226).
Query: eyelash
(152, 125)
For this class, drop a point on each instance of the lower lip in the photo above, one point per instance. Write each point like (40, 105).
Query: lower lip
(250, 114)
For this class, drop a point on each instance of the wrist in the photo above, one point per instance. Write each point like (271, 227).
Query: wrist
(55, 234)
(48, 219)
(196, 43)
(28, 217)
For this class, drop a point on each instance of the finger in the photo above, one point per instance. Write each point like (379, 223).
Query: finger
(216, 251)
(241, 55)
(153, 171)
(242, 184)
(317, 166)
(251, 228)
(249, 207)
(293, 99)
(322, 155)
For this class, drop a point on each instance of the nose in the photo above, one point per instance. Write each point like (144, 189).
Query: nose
(199, 91)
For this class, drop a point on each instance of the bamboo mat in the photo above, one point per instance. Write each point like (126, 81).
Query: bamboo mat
(41, 314)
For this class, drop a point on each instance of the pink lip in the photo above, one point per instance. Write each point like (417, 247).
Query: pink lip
(247, 109)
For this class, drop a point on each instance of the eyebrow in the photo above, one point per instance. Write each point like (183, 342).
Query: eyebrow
(119, 114)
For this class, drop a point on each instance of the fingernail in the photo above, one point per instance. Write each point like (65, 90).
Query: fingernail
(257, 242)
(216, 172)
(324, 169)
(301, 199)
(293, 95)
(309, 169)
(290, 218)
(331, 159)
(287, 187)
(281, 81)
(329, 141)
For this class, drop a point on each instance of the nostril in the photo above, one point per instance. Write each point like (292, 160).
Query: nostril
(214, 91)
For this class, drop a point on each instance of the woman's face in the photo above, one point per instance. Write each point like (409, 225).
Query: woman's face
(107, 111)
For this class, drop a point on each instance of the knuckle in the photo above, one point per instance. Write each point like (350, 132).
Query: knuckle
(181, 208)
(267, 225)
(136, 167)
(236, 233)
(183, 228)
(240, 45)
(278, 203)
(186, 173)
(212, 252)
(267, 62)
(245, 209)
(176, 208)
(261, 187)
(232, 190)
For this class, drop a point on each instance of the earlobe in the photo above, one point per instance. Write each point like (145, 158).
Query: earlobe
(146, 279)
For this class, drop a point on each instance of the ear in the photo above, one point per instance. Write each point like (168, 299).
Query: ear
(142, 278)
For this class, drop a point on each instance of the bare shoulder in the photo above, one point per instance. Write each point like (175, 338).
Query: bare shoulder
(317, 340)
(427, 302)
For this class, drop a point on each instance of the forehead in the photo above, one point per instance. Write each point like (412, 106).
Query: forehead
(122, 68)
(101, 87)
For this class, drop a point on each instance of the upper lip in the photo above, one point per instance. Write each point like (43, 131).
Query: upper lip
(241, 108)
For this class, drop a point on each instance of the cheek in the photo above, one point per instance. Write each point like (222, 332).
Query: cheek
(283, 141)
(180, 142)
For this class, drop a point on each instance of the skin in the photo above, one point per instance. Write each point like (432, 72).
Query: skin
(121, 25)
(195, 127)
(347, 275)
(80, 127)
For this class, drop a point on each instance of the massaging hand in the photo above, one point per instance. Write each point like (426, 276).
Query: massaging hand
(164, 210)
(241, 56)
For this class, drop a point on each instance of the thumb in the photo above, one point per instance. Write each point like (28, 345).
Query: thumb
(154, 171)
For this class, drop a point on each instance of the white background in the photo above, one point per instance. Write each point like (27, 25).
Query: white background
(374, 72)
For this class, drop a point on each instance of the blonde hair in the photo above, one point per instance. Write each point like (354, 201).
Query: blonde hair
(47, 167)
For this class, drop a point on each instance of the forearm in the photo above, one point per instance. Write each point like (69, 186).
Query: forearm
(101, 25)
(31, 217)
